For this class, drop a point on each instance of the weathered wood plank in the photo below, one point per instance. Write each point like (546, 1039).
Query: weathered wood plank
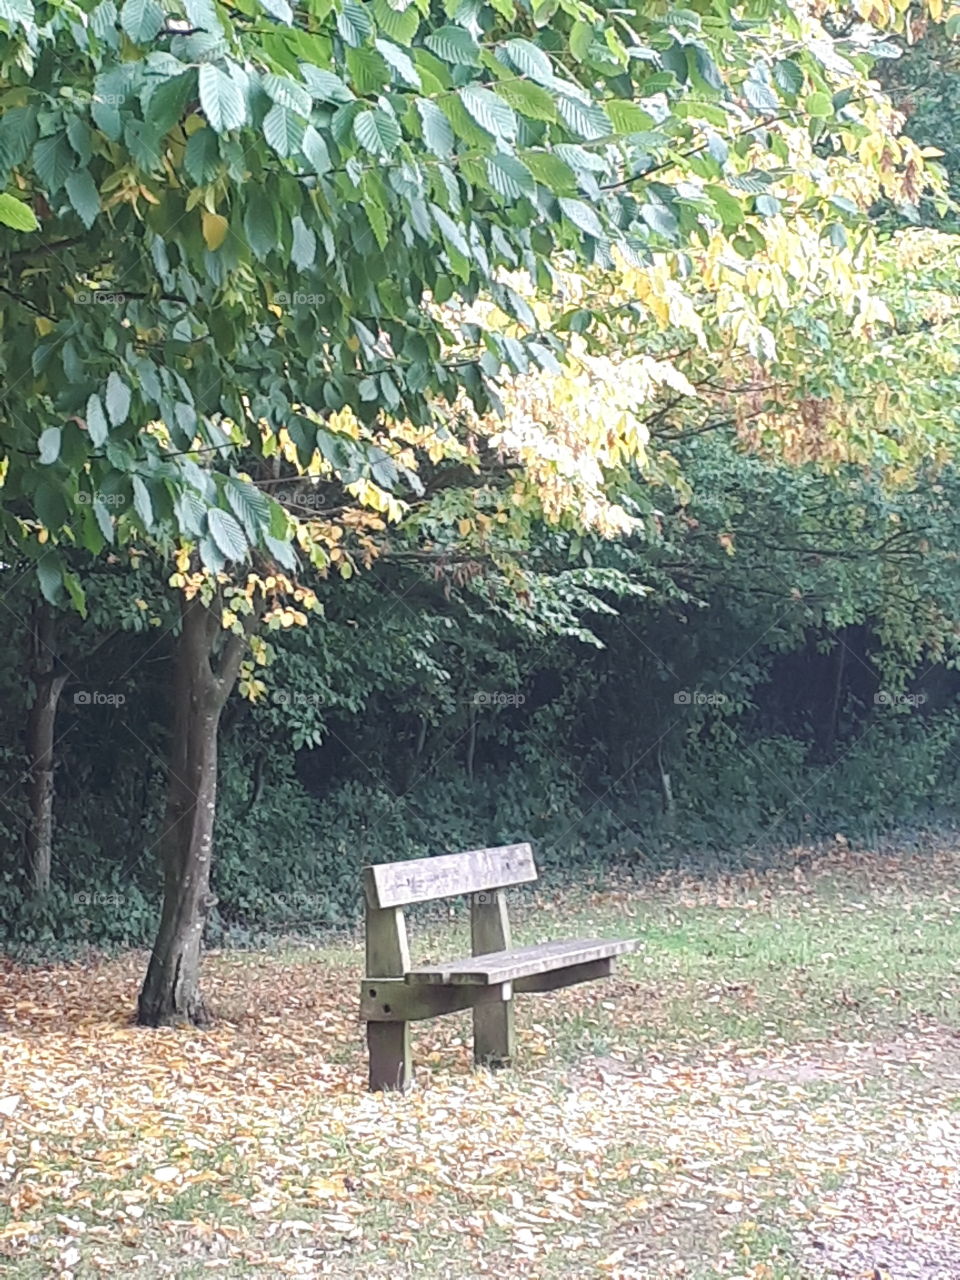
(388, 952)
(558, 978)
(494, 1034)
(504, 966)
(393, 884)
(388, 1043)
(391, 999)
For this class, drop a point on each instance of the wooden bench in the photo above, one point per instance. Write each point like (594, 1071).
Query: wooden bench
(395, 992)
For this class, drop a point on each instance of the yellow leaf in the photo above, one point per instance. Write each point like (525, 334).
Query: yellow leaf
(215, 228)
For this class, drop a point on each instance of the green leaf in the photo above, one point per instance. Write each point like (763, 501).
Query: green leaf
(190, 511)
(587, 119)
(454, 45)
(437, 133)
(399, 24)
(251, 507)
(141, 20)
(845, 204)
(104, 518)
(168, 101)
(531, 61)
(788, 76)
(491, 113)
(314, 151)
(144, 144)
(282, 552)
(401, 63)
(201, 157)
(76, 593)
(83, 196)
(117, 399)
(551, 171)
(286, 92)
(142, 503)
(728, 207)
(582, 216)
(451, 231)
(377, 132)
(304, 250)
(819, 105)
(659, 218)
(14, 213)
(17, 13)
(260, 223)
(50, 577)
(283, 130)
(581, 38)
(18, 132)
(53, 161)
(369, 73)
(354, 23)
(529, 99)
(48, 445)
(759, 94)
(324, 86)
(767, 205)
(221, 99)
(510, 177)
(211, 555)
(97, 426)
(627, 117)
(202, 14)
(227, 534)
(280, 10)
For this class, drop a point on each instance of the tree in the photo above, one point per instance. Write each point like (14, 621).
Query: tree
(256, 225)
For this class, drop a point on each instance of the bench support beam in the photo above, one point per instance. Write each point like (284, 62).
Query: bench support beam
(494, 1035)
(390, 999)
(566, 977)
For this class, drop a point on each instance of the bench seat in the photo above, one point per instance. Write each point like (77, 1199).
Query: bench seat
(520, 962)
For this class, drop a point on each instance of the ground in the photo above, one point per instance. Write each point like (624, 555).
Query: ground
(769, 1089)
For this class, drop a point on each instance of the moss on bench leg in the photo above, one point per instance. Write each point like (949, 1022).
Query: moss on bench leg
(389, 1046)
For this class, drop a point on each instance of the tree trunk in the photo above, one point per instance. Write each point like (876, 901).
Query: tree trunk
(41, 724)
(171, 990)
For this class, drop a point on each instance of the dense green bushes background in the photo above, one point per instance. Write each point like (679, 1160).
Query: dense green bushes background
(773, 661)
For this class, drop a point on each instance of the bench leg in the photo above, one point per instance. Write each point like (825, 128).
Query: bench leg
(494, 1040)
(389, 1046)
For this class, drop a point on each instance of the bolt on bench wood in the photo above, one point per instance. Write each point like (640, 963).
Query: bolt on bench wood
(395, 992)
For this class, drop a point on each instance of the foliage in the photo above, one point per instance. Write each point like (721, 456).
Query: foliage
(185, 341)
(808, 616)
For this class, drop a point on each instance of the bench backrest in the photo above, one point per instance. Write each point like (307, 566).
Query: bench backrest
(397, 884)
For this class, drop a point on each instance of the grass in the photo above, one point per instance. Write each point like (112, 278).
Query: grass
(769, 1089)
